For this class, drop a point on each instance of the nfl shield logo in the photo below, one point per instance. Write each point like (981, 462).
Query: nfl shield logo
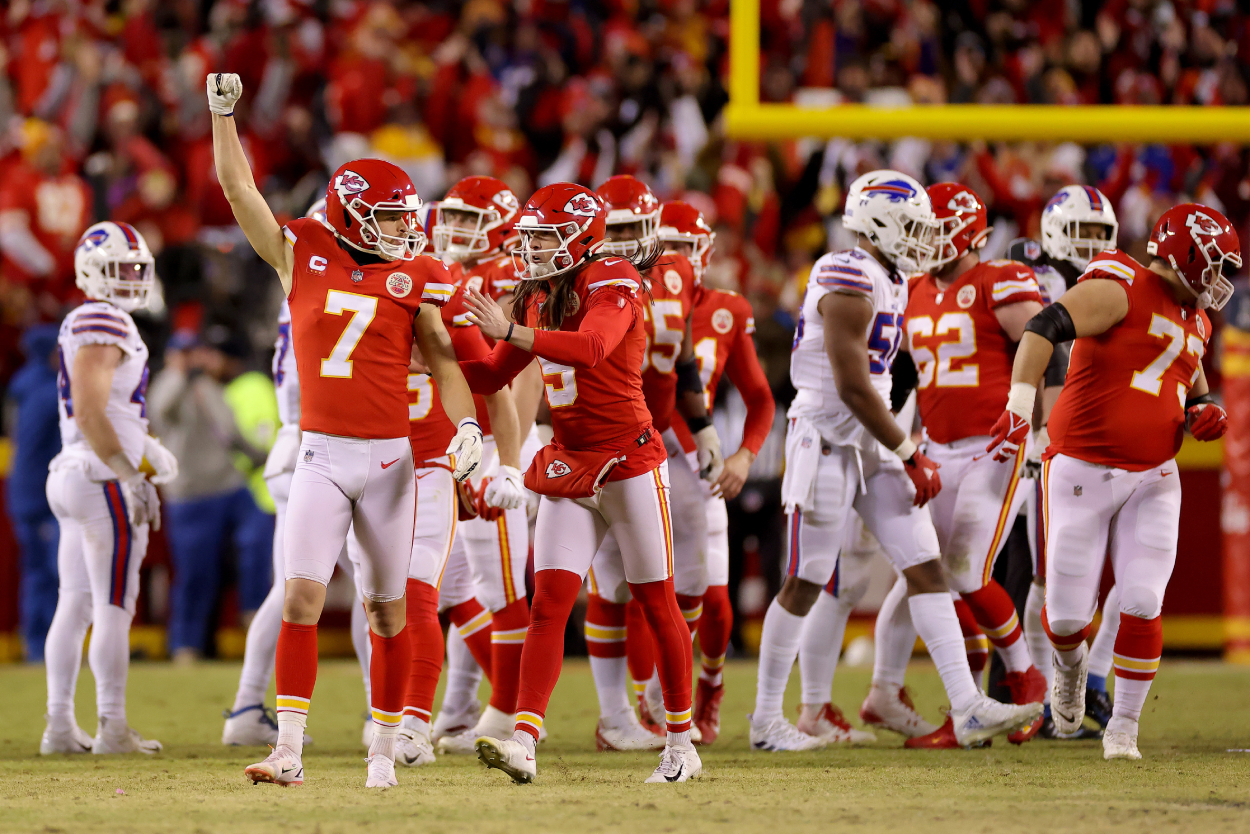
(1076, 490)
(357, 276)
(308, 455)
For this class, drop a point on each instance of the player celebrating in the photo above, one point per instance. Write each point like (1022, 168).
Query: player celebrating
(606, 471)
(838, 459)
(1140, 332)
(102, 502)
(963, 321)
(356, 287)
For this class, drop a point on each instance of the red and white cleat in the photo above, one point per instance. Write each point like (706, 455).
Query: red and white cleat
(280, 767)
(707, 700)
(1027, 687)
(943, 738)
(825, 721)
(891, 708)
(647, 718)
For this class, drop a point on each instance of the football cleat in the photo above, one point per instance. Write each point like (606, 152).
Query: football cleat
(706, 719)
(1098, 705)
(1067, 697)
(648, 718)
(72, 740)
(280, 767)
(625, 733)
(677, 764)
(825, 721)
(987, 718)
(250, 726)
(510, 756)
(1084, 734)
(413, 749)
(1120, 740)
(115, 736)
(1027, 687)
(780, 736)
(493, 724)
(943, 738)
(452, 721)
(891, 708)
(381, 772)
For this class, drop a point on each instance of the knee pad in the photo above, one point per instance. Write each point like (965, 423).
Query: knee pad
(1140, 602)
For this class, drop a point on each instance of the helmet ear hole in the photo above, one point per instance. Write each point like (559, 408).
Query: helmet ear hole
(877, 220)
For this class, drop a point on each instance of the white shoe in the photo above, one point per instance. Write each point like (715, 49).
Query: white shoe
(117, 737)
(624, 733)
(987, 718)
(72, 740)
(510, 756)
(412, 749)
(677, 764)
(280, 767)
(825, 721)
(381, 772)
(1067, 696)
(890, 708)
(453, 721)
(779, 735)
(493, 724)
(1119, 740)
(250, 726)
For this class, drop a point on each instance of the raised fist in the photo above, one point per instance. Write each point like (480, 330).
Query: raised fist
(224, 89)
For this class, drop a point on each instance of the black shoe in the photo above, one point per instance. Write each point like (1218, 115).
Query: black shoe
(1098, 706)
(1084, 734)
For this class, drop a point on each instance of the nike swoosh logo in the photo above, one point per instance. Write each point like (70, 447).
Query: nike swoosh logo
(1165, 474)
(392, 463)
(680, 771)
(529, 758)
(286, 770)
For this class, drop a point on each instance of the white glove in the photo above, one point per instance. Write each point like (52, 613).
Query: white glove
(466, 448)
(143, 505)
(1033, 462)
(224, 89)
(707, 447)
(507, 489)
(162, 460)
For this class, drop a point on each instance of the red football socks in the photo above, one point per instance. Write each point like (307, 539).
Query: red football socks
(474, 623)
(426, 649)
(714, 628)
(555, 591)
(507, 638)
(673, 648)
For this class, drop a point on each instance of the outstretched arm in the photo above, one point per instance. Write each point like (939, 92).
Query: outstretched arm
(235, 175)
(602, 327)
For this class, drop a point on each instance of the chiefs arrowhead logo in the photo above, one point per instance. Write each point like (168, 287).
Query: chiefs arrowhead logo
(582, 205)
(1201, 223)
(557, 469)
(963, 201)
(349, 183)
(506, 200)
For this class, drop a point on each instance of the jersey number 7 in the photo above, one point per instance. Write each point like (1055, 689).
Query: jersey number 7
(363, 308)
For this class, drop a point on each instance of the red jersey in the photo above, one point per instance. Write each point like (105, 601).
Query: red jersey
(494, 276)
(673, 291)
(591, 369)
(963, 358)
(1123, 403)
(722, 324)
(430, 429)
(353, 332)
(57, 211)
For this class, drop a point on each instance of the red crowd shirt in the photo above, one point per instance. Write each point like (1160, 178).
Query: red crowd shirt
(1123, 403)
(58, 211)
(353, 332)
(963, 358)
(673, 290)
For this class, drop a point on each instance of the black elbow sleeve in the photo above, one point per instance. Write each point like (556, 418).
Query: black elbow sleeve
(1057, 369)
(903, 378)
(688, 377)
(1053, 324)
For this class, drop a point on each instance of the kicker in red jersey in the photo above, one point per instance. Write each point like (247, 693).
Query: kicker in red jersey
(963, 358)
(673, 292)
(1123, 404)
(353, 332)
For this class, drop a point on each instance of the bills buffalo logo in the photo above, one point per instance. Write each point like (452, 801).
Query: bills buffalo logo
(349, 184)
(94, 239)
(672, 280)
(558, 469)
(582, 205)
(398, 284)
(966, 296)
(896, 191)
(963, 201)
(722, 321)
(1056, 201)
(1032, 250)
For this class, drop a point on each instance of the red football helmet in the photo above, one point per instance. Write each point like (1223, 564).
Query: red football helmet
(574, 215)
(362, 188)
(474, 219)
(681, 222)
(1198, 242)
(630, 203)
(963, 224)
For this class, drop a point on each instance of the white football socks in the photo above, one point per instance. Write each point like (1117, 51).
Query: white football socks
(611, 683)
(894, 636)
(1102, 649)
(63, 655)
(291, 732)
(260, 650)
(779, 646)
(109, 656)
(1130, 698)
(1035, 636)
(362, 646)
(935, 620)
(824, 629)
(464, 676)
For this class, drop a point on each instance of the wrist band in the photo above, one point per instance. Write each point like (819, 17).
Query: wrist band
(906, 449)
(1021, 399)
(508, 337)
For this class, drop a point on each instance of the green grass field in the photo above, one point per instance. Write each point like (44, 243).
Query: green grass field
(1188, 780)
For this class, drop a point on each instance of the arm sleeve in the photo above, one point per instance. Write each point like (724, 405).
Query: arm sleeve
(495, 370)
(743, 367)
(610, 316)
(903, 379)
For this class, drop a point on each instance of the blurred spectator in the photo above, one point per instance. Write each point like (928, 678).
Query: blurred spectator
(208, 503)
(31, 420)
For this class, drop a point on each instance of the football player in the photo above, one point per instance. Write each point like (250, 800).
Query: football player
(845, 452)
(356, 287)
(103, 503)
(606, 471)
(1140, 334)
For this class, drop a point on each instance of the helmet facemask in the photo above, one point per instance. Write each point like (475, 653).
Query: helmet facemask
(911, 248)
(1216, 289)
(462, 231)
(945, 250)
(536, 263)
(406, 245)
(1080, 241)
(700, 245)
(632, 236)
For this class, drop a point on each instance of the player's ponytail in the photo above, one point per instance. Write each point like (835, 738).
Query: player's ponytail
(554, 299)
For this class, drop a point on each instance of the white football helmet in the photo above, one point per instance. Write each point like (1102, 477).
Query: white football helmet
(113, 263)
(1069, 221)
(893, 211)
